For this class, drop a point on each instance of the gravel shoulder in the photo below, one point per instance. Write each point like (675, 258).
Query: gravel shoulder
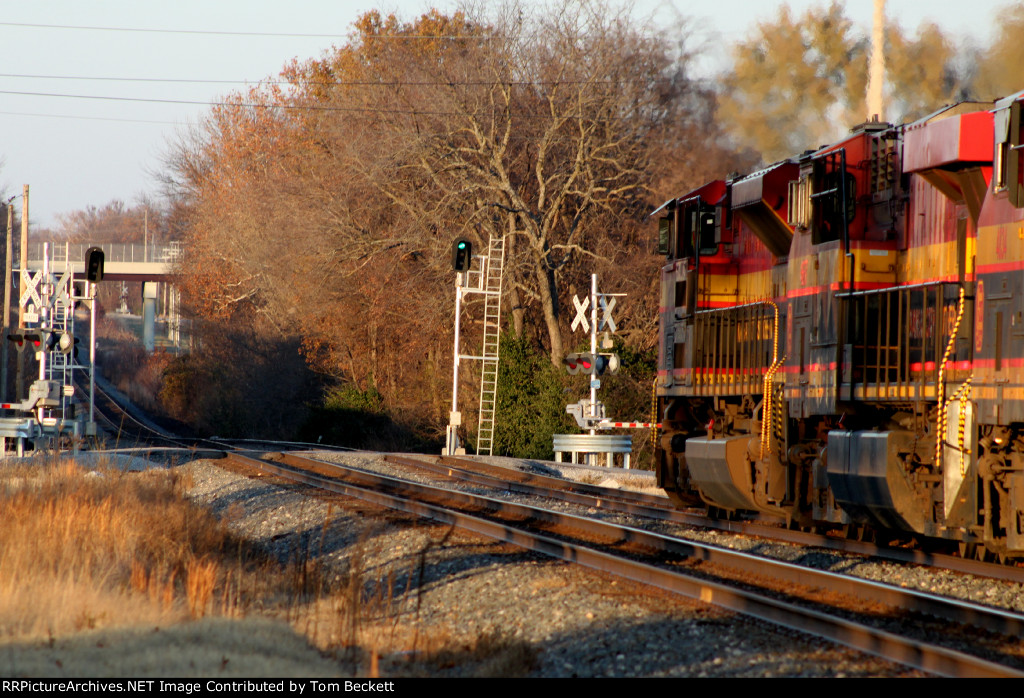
(474, 607)
(436, 603)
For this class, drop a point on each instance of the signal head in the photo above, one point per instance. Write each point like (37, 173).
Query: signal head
(94, 264)
(462, 254)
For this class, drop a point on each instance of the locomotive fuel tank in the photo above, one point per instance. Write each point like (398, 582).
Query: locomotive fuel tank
(729, 474)
(870, 479)
(721, 471)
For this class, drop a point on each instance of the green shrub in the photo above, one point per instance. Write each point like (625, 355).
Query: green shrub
(531, 402)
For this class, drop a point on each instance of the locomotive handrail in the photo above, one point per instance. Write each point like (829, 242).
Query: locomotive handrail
(901, 287)
(766, 301)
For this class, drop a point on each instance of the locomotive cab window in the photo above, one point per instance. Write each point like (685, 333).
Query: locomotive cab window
(834, 199)
(1009, 156)
(664, 235)
(703, 228)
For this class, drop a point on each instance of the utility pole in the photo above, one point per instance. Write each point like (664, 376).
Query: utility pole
(19, 376)
(24, 246)
(8, 265)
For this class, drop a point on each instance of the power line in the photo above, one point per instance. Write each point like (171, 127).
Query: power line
(170, 31)
(339, 83)
(201, 81)
(283, 107)
(89, 118)
(206, 32)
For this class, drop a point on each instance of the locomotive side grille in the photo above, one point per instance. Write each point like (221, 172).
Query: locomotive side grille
(733, 348)
(884, 160)
(895, 338)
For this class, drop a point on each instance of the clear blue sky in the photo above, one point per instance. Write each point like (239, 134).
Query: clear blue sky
(80, 142)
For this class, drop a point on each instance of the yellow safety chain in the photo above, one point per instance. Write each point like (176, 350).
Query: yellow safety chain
(962, 394)
(942, 425)
(654, 414)
(769, 378)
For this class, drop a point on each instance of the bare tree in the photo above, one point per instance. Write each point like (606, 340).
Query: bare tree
(326, 208)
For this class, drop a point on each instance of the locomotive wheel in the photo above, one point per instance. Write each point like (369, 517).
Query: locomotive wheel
(683, 500)
(967, 550)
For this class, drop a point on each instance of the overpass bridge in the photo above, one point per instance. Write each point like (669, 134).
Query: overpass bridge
(153, 265)
(122, 262)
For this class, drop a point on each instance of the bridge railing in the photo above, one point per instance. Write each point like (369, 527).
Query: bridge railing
(112, 252)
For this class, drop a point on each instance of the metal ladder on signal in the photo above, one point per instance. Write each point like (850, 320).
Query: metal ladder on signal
(59, 364)
(491, 288)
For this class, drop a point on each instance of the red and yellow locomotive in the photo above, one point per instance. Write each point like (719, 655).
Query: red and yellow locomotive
(842, 338)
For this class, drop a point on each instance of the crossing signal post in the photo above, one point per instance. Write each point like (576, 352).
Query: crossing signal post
(593, 363)
(45, 408)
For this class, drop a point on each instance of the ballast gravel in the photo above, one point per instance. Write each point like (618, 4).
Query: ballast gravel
(477, 607)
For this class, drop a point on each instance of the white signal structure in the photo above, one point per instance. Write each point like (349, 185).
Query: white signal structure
(484, 279)
(47, 309)
(589, 413)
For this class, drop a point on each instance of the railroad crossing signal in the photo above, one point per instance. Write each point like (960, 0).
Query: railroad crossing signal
(581, 313)
(575, 363)
(591, 364)
(38, 340)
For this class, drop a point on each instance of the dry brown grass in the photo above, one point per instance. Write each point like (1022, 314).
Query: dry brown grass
(92, 549)
(87, 549)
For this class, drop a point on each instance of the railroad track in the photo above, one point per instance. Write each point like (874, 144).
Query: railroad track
(857, 613)
(659, 508)
(796, 598)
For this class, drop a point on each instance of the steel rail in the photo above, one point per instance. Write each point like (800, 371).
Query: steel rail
(466, 464)
(914, 653)
(955, 610)
(537, 485)
(653, 507)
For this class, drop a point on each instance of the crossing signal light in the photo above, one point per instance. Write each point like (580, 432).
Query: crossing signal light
(581, 363)
(462, 254)
(65, 343)
(574, 363)
(18, 337)
(33, 339)
(94, 264)
(591, 364)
